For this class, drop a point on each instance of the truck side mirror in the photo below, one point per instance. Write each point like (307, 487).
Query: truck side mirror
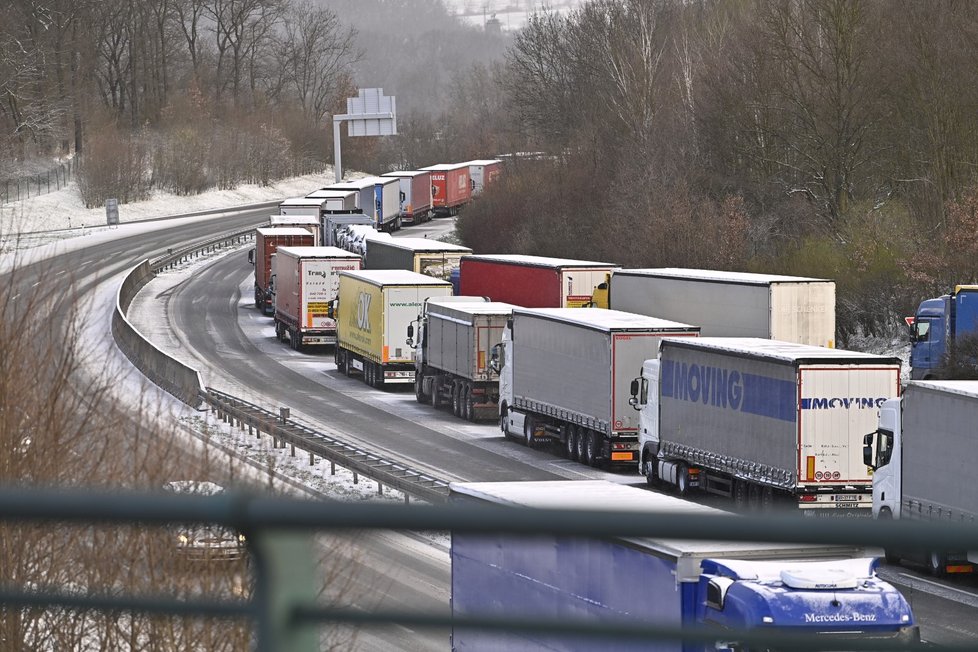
(633, 388)
(410, 335)
(868, 450)
(494, 359)
(331, 309)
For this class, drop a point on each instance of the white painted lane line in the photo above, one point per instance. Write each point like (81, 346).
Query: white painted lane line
(944, 587)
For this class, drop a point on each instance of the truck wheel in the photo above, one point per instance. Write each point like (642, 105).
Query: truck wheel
(588, 449)
(435, 397)
(937, 563)
(296, 340)
(468, 404)
(570, 444)
(892, 558)
(419, 389)
(682, 479)
(456, 399)
(648, 468)
(528, 431)
(503, 418)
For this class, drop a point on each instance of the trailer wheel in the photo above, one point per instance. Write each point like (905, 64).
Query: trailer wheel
(754, 502)
(419, 389)
(367, 374)
(570, 443)
(296, 340)
(937, 563)
(378, 376)
(767, 499)
(435, 397)
(585, 446)
(740, 494)
(682, 479)
(579, 442)
(469, 404)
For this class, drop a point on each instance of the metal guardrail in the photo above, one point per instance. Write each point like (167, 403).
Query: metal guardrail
(287, 615)
(185, 383)
(358, 460)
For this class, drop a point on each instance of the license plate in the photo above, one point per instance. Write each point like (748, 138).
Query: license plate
(846, 498)
(622, 457)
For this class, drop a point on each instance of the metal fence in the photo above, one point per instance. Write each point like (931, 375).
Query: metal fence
(37, 184)
(279, 530)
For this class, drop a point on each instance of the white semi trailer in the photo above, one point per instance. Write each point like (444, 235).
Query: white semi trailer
(731, 304)
(761, 420)
(923, 455)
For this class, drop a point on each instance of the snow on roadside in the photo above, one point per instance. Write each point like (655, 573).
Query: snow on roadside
(64, 211)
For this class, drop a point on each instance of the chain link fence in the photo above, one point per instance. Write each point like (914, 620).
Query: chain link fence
(37, 184)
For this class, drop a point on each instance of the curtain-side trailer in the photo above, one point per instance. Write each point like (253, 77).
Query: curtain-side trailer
(923, 455)
(450, 187)
(731, 304)
(832, 594)
(415, 195)
(372, 314)
(565, 375)
(762, 421)
(532, 281)
(419, 255)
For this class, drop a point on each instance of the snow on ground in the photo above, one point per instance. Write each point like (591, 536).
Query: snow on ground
(61, 214)
(59, 220)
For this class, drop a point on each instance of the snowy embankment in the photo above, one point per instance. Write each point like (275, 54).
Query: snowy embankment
(59, 215)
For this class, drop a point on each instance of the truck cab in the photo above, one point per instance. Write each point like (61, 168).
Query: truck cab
(878, 454)
(839, 599)
(937, 326)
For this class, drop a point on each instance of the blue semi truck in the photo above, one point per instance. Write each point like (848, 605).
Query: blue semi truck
(832, 591)
(937, 327)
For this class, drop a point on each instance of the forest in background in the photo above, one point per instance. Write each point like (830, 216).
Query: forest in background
(825, 138)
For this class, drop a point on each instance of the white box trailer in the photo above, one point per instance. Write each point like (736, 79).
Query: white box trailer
(306, 282)
(761, 420)
(415, 195)
(309, 206)
(565, 377)
(336, 201)
(923, 454)
(731, 304)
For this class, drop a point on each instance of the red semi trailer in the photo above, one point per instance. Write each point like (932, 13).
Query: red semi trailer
(267, 241)
(451, 187)
(532, 281)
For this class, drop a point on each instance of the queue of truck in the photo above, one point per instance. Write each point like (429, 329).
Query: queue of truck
(720, 382)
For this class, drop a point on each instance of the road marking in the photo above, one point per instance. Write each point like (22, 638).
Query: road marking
(940, 585)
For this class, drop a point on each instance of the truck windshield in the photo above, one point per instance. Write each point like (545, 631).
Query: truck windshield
(921, 330)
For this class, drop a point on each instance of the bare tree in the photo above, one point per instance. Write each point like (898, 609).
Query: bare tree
(316, 57)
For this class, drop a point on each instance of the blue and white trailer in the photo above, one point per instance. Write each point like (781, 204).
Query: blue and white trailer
(762, 421)
(831, 592)
(378, 198)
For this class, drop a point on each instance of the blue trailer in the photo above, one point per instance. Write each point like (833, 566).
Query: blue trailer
(824, 590)
(938, 325)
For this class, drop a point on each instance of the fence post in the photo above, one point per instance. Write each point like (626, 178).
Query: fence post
(285, 570)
